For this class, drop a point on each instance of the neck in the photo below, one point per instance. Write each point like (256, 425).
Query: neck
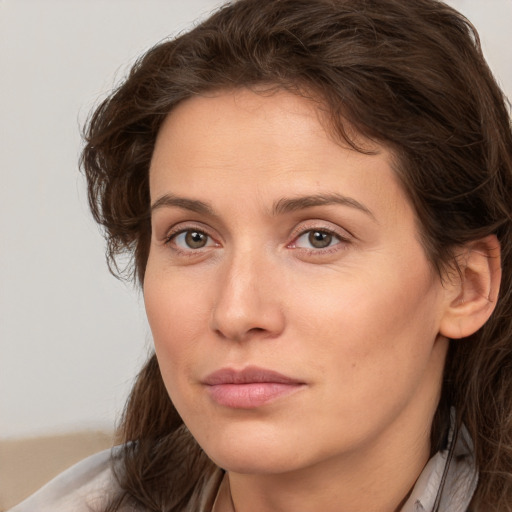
(378, 478)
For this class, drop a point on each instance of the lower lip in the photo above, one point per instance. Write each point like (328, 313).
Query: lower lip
(250, 395)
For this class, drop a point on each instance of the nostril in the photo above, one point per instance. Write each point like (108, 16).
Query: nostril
(256, 330)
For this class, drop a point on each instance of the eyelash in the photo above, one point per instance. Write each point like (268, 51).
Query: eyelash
(341, 241)
(170, 239)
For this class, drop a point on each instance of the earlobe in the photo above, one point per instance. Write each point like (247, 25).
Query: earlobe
(474, 291)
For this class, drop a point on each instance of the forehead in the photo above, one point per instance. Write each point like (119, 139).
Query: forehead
(263, 143)
(243, 116)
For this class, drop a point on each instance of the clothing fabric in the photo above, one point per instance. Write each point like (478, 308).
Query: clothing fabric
(84, 487)
(87, 486)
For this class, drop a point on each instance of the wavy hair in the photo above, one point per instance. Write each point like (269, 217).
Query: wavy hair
(410, 75)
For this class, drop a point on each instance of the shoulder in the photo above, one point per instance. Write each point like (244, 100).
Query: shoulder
(82, 488)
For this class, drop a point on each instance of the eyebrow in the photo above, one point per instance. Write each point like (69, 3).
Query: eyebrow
(286, 205)
(169, 200)
(282, 206)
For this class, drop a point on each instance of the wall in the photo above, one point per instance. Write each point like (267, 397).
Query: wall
(71, 336)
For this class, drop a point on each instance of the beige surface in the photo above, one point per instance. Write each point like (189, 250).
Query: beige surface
(26, 465)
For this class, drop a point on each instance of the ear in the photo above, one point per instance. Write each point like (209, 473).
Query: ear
(473, 291)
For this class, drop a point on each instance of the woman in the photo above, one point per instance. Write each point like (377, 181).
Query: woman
(316, 195)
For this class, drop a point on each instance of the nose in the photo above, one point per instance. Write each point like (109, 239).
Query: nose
(247, 301)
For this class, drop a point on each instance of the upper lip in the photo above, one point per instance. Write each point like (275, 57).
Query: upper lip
(251, 374)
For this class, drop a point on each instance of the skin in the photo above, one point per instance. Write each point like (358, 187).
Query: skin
(357, 322)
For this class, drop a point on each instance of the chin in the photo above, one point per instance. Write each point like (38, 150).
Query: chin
(262, 462)
(261, 453)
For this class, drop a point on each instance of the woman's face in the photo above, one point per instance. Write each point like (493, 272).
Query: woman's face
(294, 313)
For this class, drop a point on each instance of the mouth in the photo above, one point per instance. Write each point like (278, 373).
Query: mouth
(249, 388)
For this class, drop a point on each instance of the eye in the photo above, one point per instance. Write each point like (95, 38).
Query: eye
(317, 239)
(191, 239)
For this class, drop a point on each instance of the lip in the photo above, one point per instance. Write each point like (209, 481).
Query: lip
(249, 388)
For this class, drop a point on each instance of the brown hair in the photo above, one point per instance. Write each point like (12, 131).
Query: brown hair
(408, 74)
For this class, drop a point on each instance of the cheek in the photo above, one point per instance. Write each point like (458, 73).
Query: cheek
(373, 348)
(176, 318)
(172, 299)
(379, 326)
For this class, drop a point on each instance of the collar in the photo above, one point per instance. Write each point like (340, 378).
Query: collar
(448, 481)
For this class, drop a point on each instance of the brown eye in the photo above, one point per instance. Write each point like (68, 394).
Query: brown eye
(191, 239)
(320, 239)
(195, 239)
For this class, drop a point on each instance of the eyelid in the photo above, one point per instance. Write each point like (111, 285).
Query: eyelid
(182, 227)
(329, 248)
(321, 225)
(343, 240)
(179, 234)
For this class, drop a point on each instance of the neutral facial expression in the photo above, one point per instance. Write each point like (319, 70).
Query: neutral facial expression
(294, 313)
